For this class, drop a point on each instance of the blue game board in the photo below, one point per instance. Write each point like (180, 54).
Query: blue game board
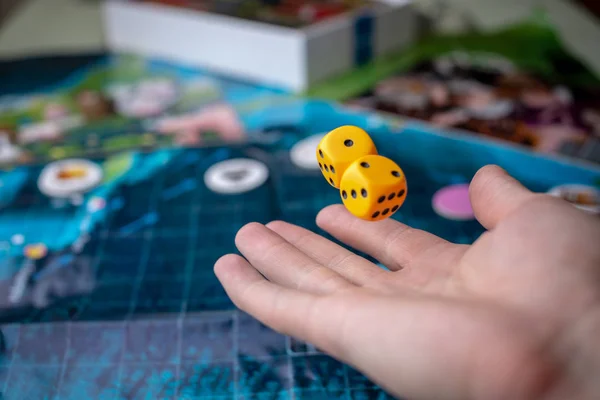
(117, 296)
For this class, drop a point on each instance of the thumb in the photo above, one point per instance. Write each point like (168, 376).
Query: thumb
(495, 194)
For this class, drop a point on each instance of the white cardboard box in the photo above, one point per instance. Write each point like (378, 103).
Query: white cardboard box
(290, 58)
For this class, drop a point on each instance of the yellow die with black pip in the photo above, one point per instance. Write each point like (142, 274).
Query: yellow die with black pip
(373, 187)
(340, 148)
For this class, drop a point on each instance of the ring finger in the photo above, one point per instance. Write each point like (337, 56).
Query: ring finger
(351, 266)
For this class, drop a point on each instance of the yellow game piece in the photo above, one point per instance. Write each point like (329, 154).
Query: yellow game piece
(373, 187)
(35, 251)
(340, 148)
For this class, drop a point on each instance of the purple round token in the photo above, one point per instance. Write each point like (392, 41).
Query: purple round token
(452, 202)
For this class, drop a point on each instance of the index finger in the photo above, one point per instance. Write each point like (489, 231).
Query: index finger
(289, 311)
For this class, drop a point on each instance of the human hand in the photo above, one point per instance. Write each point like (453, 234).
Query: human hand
(514, 316)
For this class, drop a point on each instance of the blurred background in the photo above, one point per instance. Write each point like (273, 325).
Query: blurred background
(75, 25)
(559, 36)
(138, 136)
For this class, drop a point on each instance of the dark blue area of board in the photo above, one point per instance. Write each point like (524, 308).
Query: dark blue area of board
(32, 73)
(222, 355)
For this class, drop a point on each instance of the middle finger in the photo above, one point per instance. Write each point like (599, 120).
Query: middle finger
(394, 244)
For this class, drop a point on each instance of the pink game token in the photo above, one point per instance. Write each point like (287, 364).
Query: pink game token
(452, 202)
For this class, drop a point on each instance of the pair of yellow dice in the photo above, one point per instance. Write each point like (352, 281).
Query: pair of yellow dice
(372, 187)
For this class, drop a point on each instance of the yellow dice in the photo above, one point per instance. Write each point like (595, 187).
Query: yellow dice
(340, 148)
(373, 187)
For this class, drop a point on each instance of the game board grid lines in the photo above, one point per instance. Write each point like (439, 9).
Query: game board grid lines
(189, 268)
(290, 366)
(236, 219)
(215, 212)
(101, 234)
(236, 364)
(12, 358)
(295, 361)
(140, 275)
(142, 266)
(63, 367)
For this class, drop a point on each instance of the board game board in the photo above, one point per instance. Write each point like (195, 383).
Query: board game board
(107, 246)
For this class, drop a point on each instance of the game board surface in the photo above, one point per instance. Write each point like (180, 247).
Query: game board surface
(106, 251)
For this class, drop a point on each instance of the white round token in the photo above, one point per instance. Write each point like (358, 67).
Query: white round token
(235, 176)
(17, 239)
(67, 178)
(586, 198)
(304, 153)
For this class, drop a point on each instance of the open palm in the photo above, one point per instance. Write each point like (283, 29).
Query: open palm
(513, 316)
